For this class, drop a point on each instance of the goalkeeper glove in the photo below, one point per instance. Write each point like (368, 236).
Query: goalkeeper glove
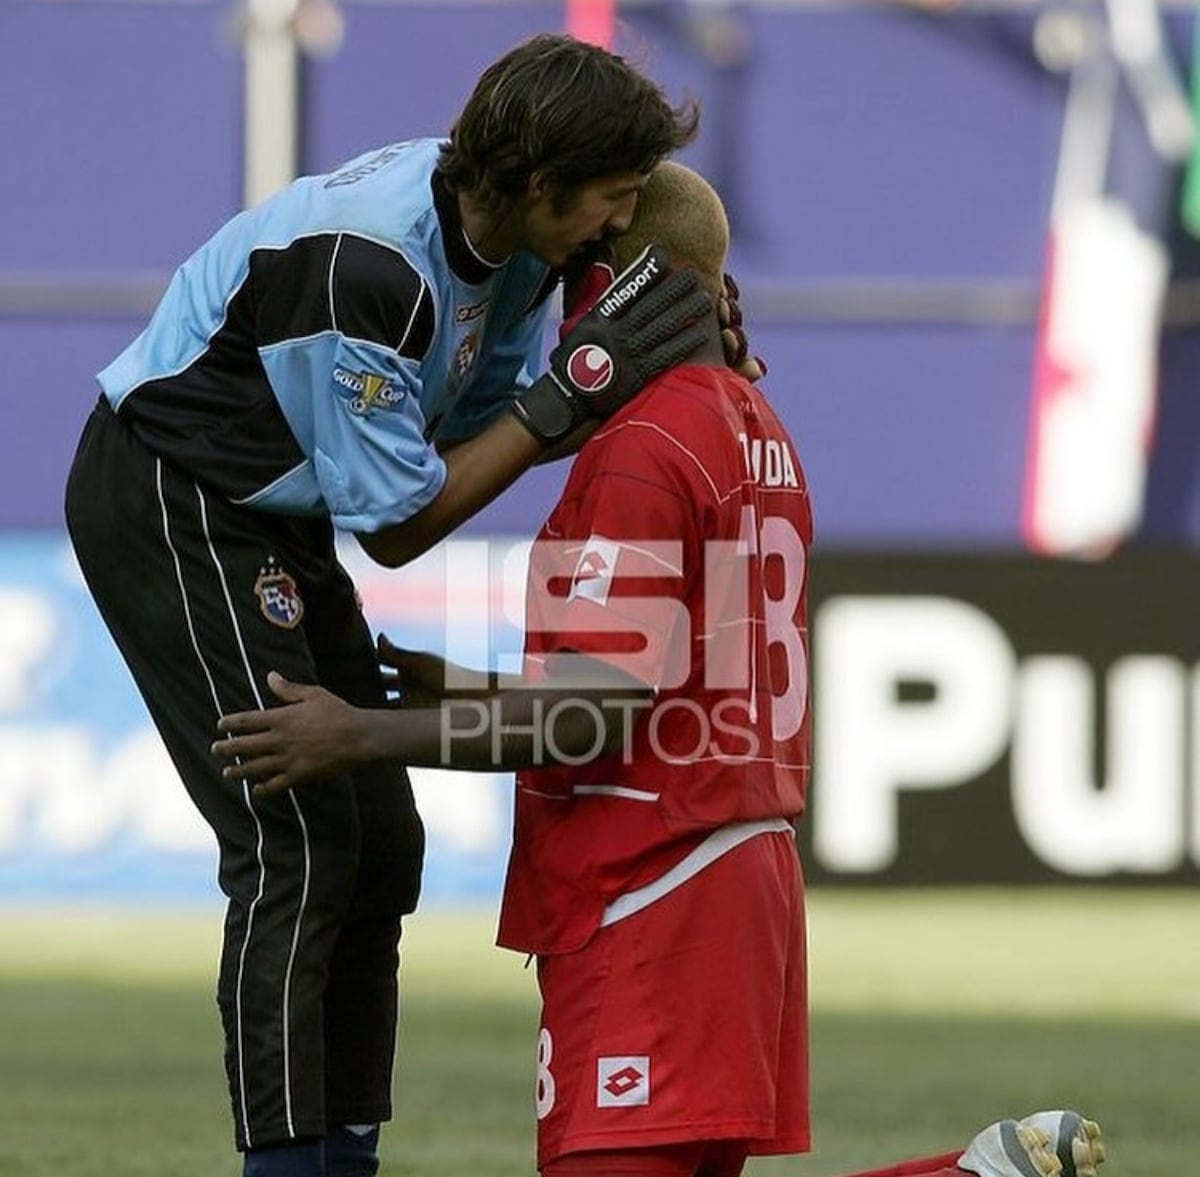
(647, 320)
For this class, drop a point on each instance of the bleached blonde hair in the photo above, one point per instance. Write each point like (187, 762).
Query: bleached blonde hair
(681, 211)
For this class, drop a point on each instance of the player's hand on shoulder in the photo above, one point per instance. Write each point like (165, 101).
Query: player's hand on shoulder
(313, 734)
(733, 334)
(649, 318)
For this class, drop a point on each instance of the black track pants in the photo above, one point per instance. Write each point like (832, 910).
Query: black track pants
(203, 598)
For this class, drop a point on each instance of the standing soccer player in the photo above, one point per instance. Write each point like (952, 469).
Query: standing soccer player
(356, 353)
(662, 732)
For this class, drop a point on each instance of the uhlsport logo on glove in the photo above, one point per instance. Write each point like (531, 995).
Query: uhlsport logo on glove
(615, 299)
(648, 319)
(590, 368)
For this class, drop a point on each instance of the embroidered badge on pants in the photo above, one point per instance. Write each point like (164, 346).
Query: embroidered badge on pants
(278, 597)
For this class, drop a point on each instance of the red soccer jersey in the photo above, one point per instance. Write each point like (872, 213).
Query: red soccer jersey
(678, 554)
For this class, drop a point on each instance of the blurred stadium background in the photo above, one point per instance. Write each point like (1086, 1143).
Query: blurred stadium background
(964, 232)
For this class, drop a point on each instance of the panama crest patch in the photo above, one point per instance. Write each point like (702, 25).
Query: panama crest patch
(278, 597)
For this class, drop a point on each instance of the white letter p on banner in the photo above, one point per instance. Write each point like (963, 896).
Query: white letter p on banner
(870, 743)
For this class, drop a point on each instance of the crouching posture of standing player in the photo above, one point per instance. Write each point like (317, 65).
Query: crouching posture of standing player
(358, 352)
(662, 732)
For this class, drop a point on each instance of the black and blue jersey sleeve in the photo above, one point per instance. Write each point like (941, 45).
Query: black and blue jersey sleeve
(346, 369)
(344, 283)
(377, 296)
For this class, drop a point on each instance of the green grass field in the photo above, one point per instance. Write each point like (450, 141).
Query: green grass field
(933, 1014)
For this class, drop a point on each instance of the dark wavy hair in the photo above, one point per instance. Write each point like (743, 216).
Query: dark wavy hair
(564, 106)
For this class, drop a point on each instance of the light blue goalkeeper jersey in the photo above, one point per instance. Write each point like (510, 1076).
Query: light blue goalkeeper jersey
(305, 359)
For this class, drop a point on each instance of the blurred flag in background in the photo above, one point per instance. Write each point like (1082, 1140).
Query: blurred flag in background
(1127, 127)
(593, 21)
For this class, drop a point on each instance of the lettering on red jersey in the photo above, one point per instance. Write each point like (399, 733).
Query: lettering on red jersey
(768, 461)
(623, 1081)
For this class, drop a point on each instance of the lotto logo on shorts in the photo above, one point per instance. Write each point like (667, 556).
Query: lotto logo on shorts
(623, 1082)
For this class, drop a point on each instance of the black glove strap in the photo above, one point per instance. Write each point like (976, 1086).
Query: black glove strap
(545, 410)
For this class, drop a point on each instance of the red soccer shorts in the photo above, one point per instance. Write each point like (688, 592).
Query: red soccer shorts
(685, 1021)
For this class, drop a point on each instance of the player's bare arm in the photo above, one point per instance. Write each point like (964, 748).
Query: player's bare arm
(583, 715)
(647, 320)
(566, 448)
(477, 471)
